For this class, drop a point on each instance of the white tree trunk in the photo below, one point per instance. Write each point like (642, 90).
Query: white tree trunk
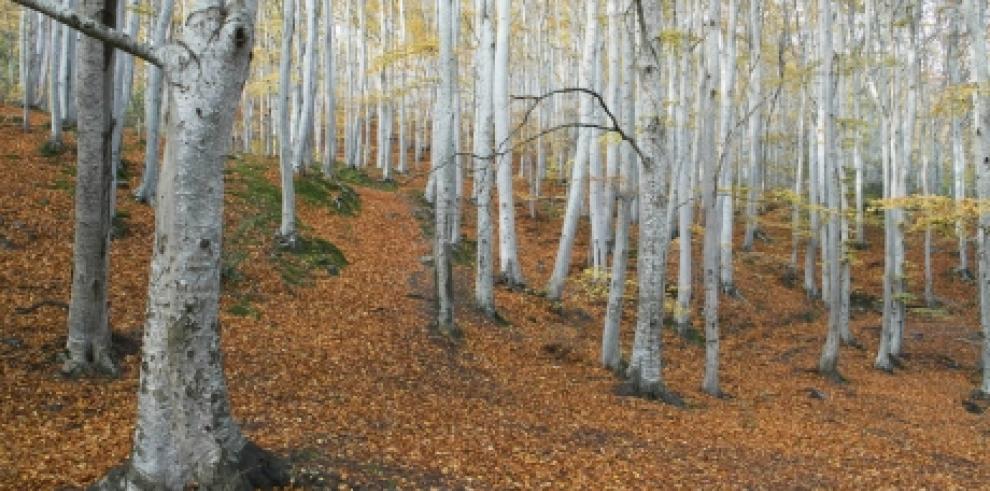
(483, 130)
(828, 363)
(446, 172)
(755, 121)
(727, 168)
(329, 89)
(122, 91)
(508, 250)
(301, 154)
(645, 372)
(710, 202)
(579, 170)
(55, 141)
(981, 125)
(287, 229)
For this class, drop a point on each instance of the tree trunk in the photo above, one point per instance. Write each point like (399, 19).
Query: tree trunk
(445, 170)
(88, 343)
(645, 372)
(287, 230)
(508, 250)
(301, 155)
(981, 124)
(710, 202)
(483, 129)
(579, 170)
(185, 434)
(828, 363)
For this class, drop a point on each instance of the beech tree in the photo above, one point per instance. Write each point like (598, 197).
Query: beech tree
(974, 13)
(153, 107)
(88, 345)
(483, 146)
(186, 434)
(445, 169)
(508, 249)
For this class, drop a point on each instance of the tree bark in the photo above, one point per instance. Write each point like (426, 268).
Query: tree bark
(88, 343)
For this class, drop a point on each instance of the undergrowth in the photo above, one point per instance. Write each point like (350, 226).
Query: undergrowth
(257, 205)
(358, 177)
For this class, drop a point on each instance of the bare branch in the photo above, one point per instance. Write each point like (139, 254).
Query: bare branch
(94, 29)
(537, 99)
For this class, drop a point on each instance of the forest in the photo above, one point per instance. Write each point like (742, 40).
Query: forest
(494, 244)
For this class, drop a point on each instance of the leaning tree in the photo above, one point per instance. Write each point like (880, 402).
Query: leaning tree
(185, 434)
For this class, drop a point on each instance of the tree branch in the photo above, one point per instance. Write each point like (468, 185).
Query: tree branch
(537, 99)
(94, 29)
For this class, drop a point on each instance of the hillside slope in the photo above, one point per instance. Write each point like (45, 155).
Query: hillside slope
(340, 371)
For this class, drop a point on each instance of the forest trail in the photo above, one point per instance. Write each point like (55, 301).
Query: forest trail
(343, 376)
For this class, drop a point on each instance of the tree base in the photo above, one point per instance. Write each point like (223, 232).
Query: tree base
(255, 468)
(105, 366)
(965, 274)
(833, 375)
(653, 392)
(852, 342)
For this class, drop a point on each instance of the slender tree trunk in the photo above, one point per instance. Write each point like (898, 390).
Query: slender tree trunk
(509, 267)
(755, 122)
(483, 129)
(981, 125)
(726, 165)
(122, 91)
(828, 363)
(579, 170)
(301, 154)
(88, 344)
(287, 229)
(330, 87)
(55, 90)
(710, 201)
(446, 175)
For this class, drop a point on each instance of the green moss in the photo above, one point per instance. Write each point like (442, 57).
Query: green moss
(51, 149)
(336, 196)
(465, 251)
(260, 204)
(359, 177)
(119, 227)
(297, 264)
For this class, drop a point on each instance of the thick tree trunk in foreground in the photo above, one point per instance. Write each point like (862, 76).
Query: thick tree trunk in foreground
(185, 433)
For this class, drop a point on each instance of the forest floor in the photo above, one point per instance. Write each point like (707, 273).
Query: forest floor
(336, 367)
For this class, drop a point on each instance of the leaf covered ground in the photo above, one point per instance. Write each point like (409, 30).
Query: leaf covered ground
(332, 363)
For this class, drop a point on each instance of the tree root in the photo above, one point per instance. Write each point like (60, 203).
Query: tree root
(254, 468)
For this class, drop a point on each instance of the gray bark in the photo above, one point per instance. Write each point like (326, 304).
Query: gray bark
(88, 343)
